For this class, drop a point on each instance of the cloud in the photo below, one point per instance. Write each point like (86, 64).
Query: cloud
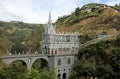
(11, 10)
(36, 11)
(112, 2)
(83, 2)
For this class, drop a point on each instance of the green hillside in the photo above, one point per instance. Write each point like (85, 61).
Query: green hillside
(99, 61)
(91, 19)
(15, 35)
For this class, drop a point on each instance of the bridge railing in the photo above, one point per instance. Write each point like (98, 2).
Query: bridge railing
(23, 53)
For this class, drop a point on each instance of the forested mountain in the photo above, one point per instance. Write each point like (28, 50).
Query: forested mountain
(19, 36)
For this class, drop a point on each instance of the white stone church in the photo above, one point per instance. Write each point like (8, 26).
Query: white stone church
(59, 43)
(62, 49)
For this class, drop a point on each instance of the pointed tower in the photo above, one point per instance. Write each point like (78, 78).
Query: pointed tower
(48, 37)
(49, 20)
(49, 28)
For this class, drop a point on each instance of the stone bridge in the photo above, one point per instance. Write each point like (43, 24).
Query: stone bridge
(62, 63)
(28, 59)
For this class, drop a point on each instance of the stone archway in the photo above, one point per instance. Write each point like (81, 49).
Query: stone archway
(64, 76)
(59, 76)
(19, 62)
(40, 64)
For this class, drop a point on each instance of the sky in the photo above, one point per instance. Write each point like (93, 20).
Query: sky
(36, 11)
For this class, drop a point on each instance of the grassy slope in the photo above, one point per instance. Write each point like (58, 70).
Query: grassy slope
(105, 21)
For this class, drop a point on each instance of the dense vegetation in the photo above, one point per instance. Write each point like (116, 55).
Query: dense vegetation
(18, 71)
(100, 60)
(19, 37)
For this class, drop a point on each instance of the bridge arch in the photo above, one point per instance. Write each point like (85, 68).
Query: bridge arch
(28, 59)
(41, 63)
(10, 61)
(20, 62)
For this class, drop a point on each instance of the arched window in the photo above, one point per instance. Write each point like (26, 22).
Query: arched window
(72, 51)
(45, 50)
(60, 49)
(64, 76)
(69, 60)
(59, 61)
(63, 49)
(52, 51)
(59, 76)
(68, 38)
(73, 48)
(56, 51)
(75, 61)
(48, 50)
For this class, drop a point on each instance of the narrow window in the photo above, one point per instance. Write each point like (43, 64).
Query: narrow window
(69, 60)
(59, 61)
(56, 51)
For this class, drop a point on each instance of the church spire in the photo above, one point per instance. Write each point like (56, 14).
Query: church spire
(50, 20)
(50, 29)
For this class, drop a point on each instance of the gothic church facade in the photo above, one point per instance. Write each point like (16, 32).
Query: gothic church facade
(62, 48)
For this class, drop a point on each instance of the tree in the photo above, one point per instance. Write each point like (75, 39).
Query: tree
(94, 61)
(77, 11)
(15, 71)
(114, 58)
(19, 48)
(18, 71)
(5, 45)
(118, 40)
(116, 5)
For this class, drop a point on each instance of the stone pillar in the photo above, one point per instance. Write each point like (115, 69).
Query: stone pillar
(29, 64)
(29, 67)
(61, 76)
